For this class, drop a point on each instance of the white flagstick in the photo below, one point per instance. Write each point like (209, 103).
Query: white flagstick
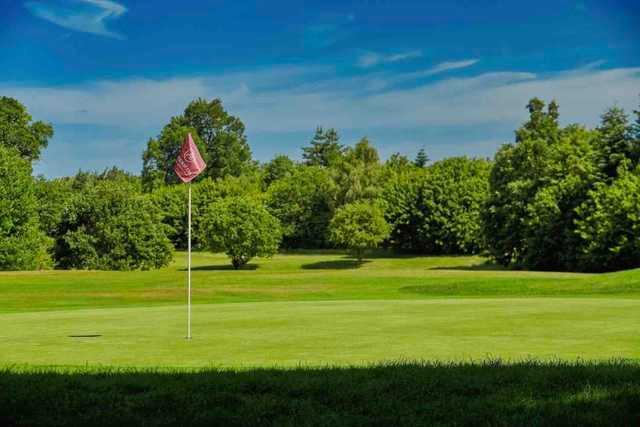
(189, 274)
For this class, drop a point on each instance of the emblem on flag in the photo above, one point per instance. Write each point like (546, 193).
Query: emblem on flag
(189, 163)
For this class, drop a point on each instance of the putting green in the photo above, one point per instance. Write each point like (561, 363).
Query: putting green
(326, 332)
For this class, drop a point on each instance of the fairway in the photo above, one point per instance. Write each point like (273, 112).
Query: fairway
(316, 310)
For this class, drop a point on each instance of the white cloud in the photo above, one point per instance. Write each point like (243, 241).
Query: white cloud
(365, 102)
(371, 59)
(87, 16)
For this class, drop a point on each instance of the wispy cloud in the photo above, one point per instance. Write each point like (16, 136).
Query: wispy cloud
(87, 16)
(371, 59)
(449, 65)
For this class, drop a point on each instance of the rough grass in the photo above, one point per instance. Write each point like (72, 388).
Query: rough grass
(407, 394)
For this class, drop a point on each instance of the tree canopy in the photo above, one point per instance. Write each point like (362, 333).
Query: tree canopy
(19, 131)
(218, 135)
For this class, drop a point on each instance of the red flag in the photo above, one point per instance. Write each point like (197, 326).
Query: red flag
(189, 163)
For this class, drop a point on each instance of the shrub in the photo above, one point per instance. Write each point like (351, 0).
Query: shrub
(242, 228)
(359, 226)
(109, 226)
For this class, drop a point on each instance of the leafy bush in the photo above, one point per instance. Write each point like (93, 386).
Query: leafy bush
(359, 226)
(109, 226)
(22, 245)
(242, 228)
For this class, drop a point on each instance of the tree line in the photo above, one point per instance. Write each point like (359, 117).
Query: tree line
(561, 198)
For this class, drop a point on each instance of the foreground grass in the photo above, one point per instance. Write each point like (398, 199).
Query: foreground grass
(299, 277)
(412, 394)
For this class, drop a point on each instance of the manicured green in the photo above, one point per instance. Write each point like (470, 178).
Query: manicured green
(326, 332)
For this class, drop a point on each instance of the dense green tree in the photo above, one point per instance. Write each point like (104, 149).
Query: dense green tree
(536, 185)
(436, 210)
(17, 130)
(324, 150)
(22, 245)
(226, 148)
(397, 162)
(541, 124)
(303, 203)
(616, 142)
(358, 174)
(608, 224)
(421, 159)
(218, 135)
(242, 228)
(53, 197)
(171, 201)
(110, 226)
(279, 167)
(359, 226)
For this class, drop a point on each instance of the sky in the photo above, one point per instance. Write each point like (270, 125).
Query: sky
(452, 77)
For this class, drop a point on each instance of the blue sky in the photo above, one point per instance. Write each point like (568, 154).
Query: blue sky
(452, 77)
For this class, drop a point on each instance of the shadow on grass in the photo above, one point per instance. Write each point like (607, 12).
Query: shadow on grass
(342, 264)
(371, 254)
(487, 266)
(403, 394)
(223, 267)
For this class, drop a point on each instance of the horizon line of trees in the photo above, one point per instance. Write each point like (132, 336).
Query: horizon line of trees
(557, 198)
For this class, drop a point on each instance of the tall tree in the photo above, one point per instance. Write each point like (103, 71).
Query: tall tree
(541, 124)
(324, 150)
(398, 162)
(358, 175)
(219, 136)
(536, 185)
(17, 130)
(421, 159)
(615, 142)
(222, 134)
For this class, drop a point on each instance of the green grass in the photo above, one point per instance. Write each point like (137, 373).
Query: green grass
(490, 393)
(299, 277)
(297, 339)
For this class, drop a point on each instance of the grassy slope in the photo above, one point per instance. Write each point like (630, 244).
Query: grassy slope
(298, 278)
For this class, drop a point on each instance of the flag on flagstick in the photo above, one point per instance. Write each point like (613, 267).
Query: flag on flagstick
(189, 165)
